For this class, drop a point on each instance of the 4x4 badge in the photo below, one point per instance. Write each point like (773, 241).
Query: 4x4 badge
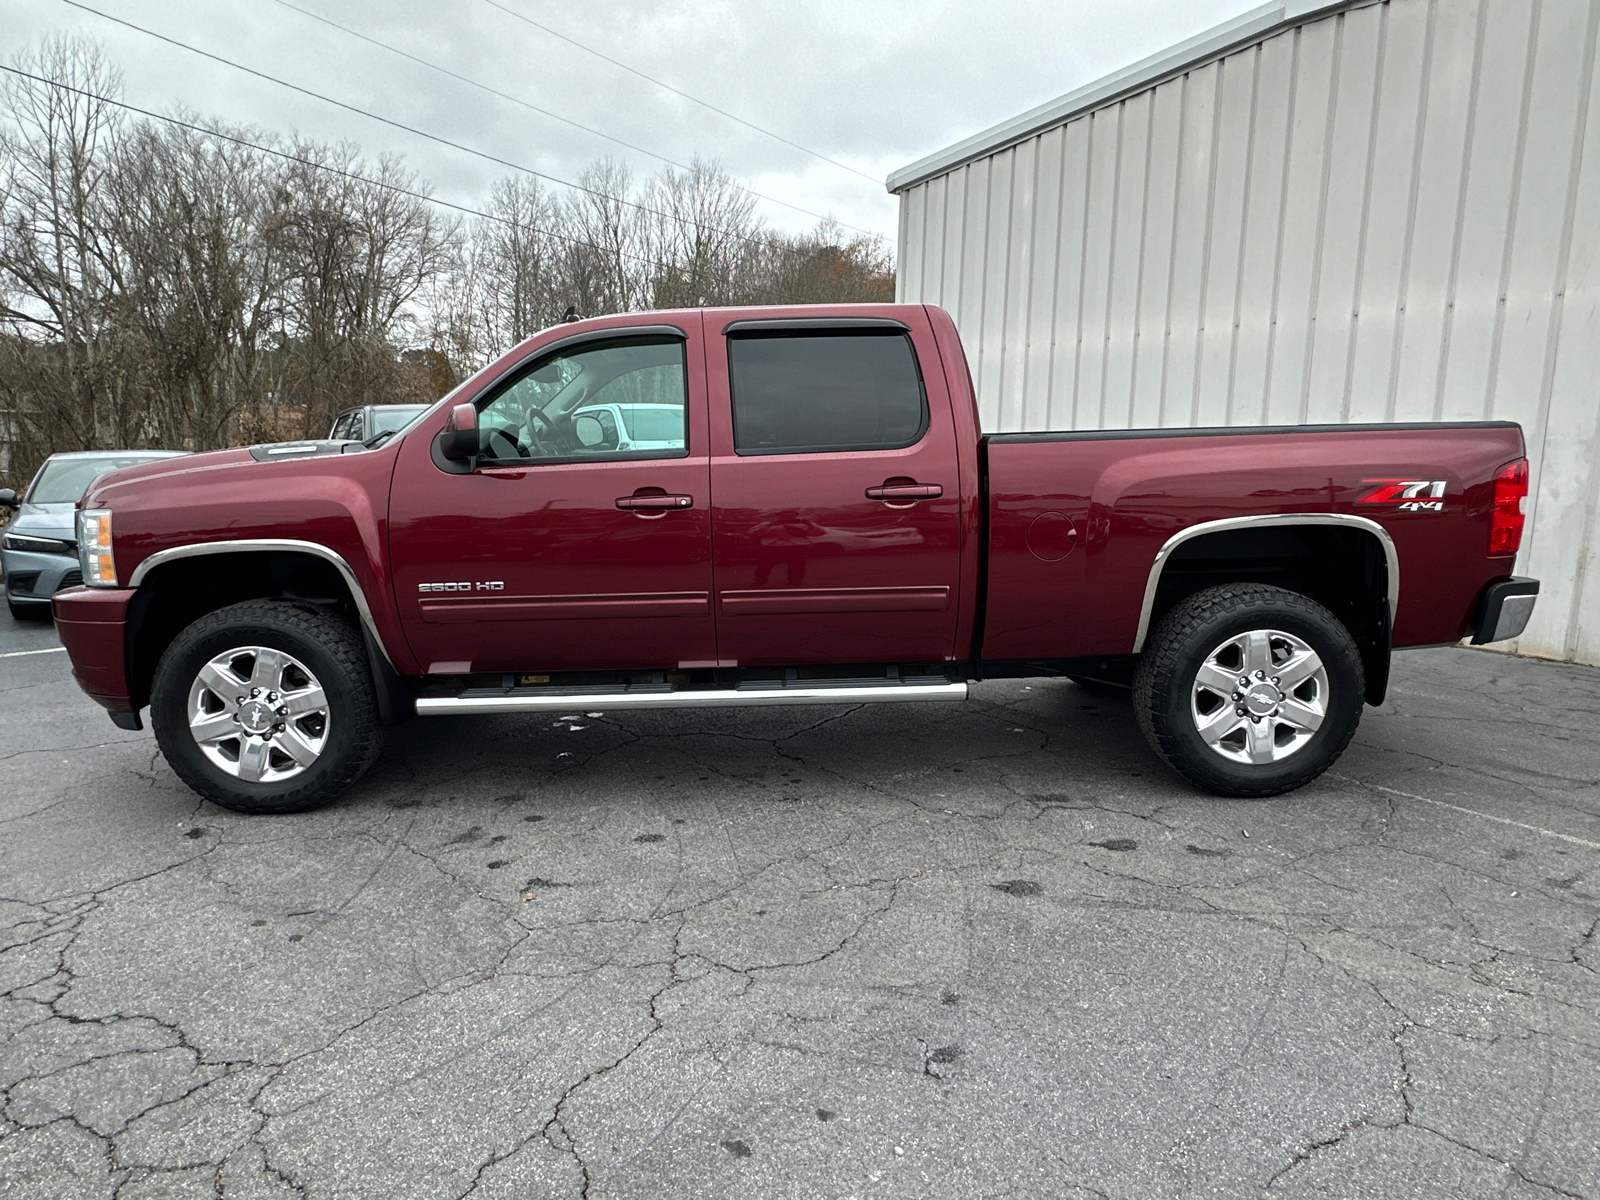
(1407, 495)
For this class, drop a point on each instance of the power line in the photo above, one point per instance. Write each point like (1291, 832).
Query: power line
(680, 92)
(411, 129)
(555, 116)
(357, 178)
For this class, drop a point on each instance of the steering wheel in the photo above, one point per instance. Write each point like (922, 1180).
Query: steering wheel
(541, 434)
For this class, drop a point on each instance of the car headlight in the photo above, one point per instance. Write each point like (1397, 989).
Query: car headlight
(39, 545)
(94, 548)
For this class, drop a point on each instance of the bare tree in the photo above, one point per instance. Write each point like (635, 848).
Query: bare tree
(54, 255)
(191, 284)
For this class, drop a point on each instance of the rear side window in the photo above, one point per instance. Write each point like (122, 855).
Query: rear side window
(794, 393)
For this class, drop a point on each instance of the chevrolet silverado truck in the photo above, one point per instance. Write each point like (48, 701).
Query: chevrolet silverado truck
(818, 519)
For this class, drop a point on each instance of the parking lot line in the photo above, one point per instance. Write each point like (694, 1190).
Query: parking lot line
(22, 653)
(1471, 812)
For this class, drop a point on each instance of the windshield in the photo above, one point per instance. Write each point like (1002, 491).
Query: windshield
(64, 480)
(653, 423)
(393, 420)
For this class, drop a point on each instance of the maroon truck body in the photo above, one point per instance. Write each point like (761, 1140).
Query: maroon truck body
(1039, 550)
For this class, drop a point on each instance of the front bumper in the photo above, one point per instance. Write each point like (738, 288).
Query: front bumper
(1504, 609)
(32, 577)
(92, 624)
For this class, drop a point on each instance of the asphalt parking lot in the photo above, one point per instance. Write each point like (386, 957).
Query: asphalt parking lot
(991, 950)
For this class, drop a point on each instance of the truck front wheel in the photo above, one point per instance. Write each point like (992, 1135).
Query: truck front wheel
(1249, 690)
(267, 706)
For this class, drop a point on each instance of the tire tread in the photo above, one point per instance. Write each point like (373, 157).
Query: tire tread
(338, 638)
(1157, 672)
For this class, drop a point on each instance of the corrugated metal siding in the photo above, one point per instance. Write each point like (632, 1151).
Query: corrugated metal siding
(1392, 213)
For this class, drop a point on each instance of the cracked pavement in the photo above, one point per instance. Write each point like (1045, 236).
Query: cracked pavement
(983, 950)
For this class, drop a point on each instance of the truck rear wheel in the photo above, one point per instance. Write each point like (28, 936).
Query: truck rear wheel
(1249, 690)
(267, 707)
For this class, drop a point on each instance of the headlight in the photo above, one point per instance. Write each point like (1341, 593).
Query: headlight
(39, 545)
(94, 548)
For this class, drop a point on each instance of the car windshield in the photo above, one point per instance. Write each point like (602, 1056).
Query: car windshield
(64, 480)
(653, 423)
(393, 420)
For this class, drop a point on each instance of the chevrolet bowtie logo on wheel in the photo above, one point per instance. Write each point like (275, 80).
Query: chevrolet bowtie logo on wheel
(1408, 495)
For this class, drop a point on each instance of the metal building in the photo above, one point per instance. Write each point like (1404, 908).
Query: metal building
(1385, 210)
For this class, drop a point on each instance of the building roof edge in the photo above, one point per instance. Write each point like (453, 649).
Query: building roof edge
(1246, 27)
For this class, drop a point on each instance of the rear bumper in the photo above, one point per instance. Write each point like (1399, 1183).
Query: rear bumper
(92, 624)
(1504, 609)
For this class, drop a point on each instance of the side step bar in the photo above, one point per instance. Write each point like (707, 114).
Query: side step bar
(747, 695)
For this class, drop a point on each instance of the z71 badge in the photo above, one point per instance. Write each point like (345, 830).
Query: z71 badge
(1407, 495)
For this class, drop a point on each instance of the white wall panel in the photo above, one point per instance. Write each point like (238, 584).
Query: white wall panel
(1387, 213)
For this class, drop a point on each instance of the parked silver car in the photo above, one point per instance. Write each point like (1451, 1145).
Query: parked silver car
(39, 550)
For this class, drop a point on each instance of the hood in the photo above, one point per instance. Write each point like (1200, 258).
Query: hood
(105, 488)
(46, 520)
(214, 465)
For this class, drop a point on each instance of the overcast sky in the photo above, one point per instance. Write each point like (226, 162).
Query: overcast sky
(872, 85)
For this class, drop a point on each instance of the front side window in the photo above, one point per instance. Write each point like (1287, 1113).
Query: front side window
(794, 393)
(573, 405)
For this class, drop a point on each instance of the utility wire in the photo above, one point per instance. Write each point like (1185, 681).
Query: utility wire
(545, 112)
(680, 92)
(411, 129)
(357, 178)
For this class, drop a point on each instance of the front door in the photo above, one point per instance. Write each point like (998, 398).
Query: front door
(835, 494)
(565, 546)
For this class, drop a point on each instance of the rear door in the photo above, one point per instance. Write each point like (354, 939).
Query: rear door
(835, 493)
(559, 549)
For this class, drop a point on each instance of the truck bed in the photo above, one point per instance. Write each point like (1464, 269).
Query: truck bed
(1128, 494)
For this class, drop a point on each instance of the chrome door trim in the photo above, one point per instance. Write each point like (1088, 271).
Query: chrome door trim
(1264, 521)
(268, 545)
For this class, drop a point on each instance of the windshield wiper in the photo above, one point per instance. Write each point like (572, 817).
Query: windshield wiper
(379, 438)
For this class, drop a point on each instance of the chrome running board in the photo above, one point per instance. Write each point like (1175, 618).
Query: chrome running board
(746, 695)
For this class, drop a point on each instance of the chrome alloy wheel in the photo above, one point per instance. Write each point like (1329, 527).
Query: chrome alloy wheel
(258, 714)
(1259, 696)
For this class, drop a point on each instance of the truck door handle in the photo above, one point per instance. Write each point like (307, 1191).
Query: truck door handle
(905, 491)
(654, 501)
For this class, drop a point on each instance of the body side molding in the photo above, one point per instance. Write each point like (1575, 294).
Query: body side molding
(1266, 521)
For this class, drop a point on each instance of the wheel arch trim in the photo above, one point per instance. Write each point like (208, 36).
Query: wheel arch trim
(269, 546)
(1266, 521)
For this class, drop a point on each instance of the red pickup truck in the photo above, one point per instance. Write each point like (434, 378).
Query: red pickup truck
(777, 506)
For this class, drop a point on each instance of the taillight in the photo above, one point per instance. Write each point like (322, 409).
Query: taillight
(1510, 499)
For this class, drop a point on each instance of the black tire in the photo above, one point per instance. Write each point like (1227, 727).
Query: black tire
(332, 652)
(1167, 699)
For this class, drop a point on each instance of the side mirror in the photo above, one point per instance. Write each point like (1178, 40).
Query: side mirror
(591, 434)
(459, 440)
(8, 498)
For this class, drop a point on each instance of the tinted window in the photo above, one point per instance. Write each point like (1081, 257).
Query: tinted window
(835, 391)
(531, 417)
